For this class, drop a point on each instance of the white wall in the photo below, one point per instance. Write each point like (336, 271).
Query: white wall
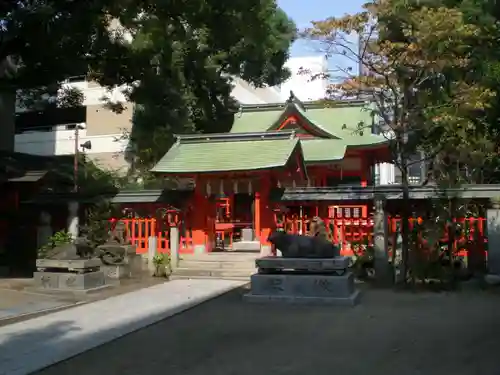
(304, 86)
(92, 94)
(62, 142)
(386, 172)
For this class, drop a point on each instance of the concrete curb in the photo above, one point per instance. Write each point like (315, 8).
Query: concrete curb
(35, 314)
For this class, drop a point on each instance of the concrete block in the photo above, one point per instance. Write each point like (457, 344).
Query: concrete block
(318, 265)
(120, 271)
(493, 228)
(68, 281)
(303, 285)
(135, 263)
(247, 235)
(246, 246)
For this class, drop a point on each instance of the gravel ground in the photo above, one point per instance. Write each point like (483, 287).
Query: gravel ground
(388, 333)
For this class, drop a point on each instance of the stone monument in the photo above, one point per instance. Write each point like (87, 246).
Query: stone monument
(309, 272)
(69, 268)
(118, 256)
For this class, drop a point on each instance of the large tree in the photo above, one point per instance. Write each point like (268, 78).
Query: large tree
(417, 61)
(42, 43)
(184, 56)
(178, 67)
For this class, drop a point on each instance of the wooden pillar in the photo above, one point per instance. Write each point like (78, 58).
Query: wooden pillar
(266, 222)
(256, 215)
(365, 171)
(200, 219)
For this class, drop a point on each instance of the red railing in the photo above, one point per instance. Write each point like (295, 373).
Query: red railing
(139, 230)
(470, 234)
(351, 227)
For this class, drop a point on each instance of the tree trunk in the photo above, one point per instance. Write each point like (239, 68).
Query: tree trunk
(405, 220)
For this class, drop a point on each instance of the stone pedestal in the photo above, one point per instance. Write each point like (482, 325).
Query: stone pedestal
(493, 227)
(271, 264)
(69, 281)
(246, 246)
(75, 275)
(76, 265)
(303, 281)
(247, 235)
(116, 272)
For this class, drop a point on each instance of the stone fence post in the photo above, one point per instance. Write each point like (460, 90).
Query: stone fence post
(152, 246)
(380, 242)
(174, 247)
(493, 230)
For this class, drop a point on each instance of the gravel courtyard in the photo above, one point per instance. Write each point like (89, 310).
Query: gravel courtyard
(388, 333)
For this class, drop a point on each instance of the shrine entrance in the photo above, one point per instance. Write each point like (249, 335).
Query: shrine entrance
(233, 214)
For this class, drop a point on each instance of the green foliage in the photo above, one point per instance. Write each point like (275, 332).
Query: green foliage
(57, 239)
(180, 60)
(70, 37)
(184, 55)
(95, 180)
(363, 258)
(430, 76)
(98, 224)
(162, 263)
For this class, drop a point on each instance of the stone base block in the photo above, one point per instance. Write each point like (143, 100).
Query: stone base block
(306, 264)
(351, 300)
(246, 246)
(247, 234)
(303, 285)
(121, 271)
(68, 281)
(135, 262)
(73, 264)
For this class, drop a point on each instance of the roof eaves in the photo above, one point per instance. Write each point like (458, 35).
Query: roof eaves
(29, 176)
(316, 104)
(232, 137)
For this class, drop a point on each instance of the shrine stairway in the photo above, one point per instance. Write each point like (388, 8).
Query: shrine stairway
(216, 265)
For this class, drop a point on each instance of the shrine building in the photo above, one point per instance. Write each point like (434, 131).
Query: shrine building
(270, 147)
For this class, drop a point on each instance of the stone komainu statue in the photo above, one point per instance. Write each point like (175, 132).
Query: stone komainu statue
(317, 228)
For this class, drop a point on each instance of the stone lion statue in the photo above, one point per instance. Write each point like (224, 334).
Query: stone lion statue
(317, 228)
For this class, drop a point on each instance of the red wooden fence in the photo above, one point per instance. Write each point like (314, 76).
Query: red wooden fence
(139, 230)
(351, 227)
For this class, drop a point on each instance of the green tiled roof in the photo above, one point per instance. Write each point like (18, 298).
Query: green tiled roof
(226, 153)
(317, 150)
(340, 121)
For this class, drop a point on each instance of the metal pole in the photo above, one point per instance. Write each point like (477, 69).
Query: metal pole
(75, 160)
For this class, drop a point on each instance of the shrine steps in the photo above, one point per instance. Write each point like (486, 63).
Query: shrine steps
(220, 265)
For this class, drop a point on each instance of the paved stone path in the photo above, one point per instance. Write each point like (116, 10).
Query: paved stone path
(387, 334)
(29, 346)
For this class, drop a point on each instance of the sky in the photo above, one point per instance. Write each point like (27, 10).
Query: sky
(305, 11)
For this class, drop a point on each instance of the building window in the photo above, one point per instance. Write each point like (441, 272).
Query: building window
(40, 120)
(416, 169)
